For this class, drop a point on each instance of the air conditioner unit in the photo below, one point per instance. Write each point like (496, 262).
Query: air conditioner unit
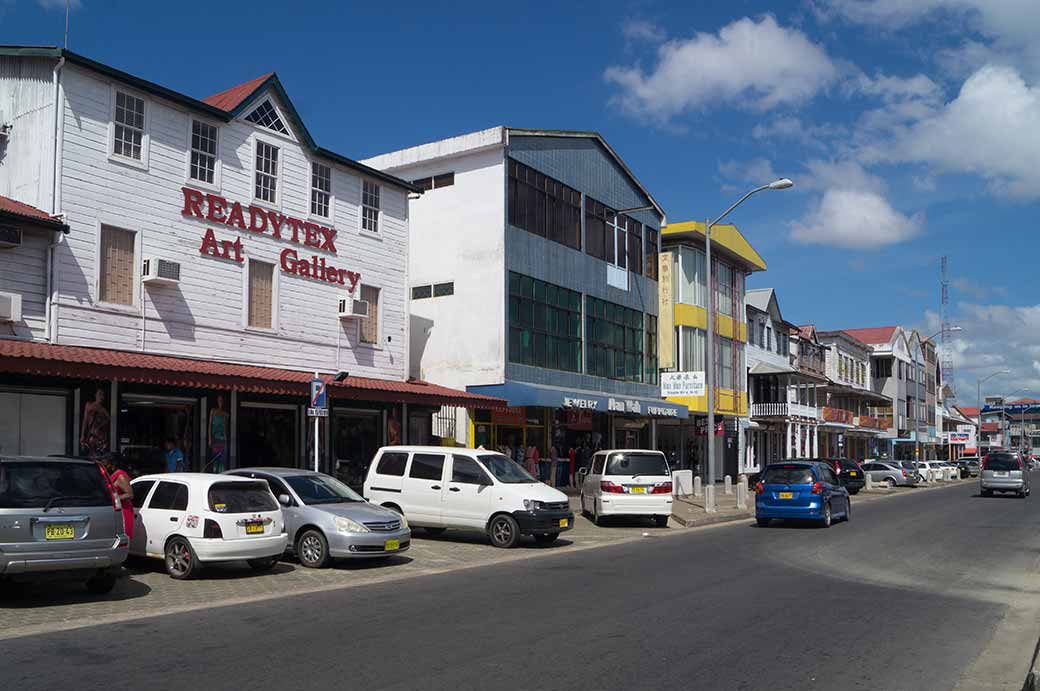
(10, 237)
(10, 307)
(160, 271)
(352, 308)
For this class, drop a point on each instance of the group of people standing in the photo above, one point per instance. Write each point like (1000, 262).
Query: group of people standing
(560, 468)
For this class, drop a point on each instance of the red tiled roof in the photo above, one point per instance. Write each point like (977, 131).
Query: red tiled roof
(806, 331)
(968, 412)
(229, 99)
(30, 213)
(44, 359)
(881, 334)
(1024, 401)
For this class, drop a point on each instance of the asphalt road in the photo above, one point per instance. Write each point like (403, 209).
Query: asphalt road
(930, 591)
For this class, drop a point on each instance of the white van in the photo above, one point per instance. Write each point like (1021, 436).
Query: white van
(628, 482)
(438, 488)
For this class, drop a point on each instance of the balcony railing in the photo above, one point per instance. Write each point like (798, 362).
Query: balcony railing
(784, 410)
(839, 415)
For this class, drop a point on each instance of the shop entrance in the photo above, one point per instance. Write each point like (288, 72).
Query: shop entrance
(631, 434)
(145, 423)
(268, 435)
(358, 435)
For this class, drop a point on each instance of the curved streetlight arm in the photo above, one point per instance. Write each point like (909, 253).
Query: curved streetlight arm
(736, 204)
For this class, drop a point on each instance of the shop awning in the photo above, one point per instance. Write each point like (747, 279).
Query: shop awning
(769, 368)
(523, 394)
(78, 362)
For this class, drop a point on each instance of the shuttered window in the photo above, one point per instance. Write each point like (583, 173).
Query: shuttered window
(116, 284)
(261, 294)
(370, 325)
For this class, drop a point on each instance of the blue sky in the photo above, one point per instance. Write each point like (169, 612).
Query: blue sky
(908, 126)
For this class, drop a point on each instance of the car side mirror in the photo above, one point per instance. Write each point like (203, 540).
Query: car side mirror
(284, 500)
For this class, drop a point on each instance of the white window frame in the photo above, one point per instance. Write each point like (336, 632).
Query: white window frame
(332, 193)
(217, 165)
(268, 96)
(378, 233)
(279, 178)
(378, 345)
(275, 287)
(105, 219)
(145, 136)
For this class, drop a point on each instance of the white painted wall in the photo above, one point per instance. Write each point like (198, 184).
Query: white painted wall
(26, 103)
(203, 316)
(23, 270)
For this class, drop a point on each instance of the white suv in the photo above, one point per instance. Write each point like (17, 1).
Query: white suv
(437, 488)
(190, 519)
(628, 483)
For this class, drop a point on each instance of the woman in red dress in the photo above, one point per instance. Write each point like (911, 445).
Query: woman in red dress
(119, 479)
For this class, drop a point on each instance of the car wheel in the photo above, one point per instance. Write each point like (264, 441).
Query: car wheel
(848, 511)
(581, 504)
(891, 482)
(596, 518)
(181, 561)
(503, 531)
(434, 531)
(825, 521)
(312, 549)
(546, 538)
(102, 584)
(762, 522)
(264, 564)
(661, 521)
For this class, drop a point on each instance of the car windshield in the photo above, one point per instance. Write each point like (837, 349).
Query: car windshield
(321, 489)
(1002, 461)
(504, 469)
(787, 475)
(40, 484)
(636, 464)
(240, 497)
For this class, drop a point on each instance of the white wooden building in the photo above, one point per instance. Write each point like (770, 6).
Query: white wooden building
(209, 238)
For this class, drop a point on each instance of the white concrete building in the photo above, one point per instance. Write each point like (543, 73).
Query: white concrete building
(213, 248)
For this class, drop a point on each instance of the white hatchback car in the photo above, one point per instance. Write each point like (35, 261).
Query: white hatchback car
(191, 519)
(438, 488)
(628, 483)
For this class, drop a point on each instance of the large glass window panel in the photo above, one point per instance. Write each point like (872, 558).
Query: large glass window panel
(693, 344)
(691, 288)
(540, 324)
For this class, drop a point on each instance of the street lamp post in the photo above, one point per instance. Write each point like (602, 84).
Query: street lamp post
(978, 402)
(709, 375)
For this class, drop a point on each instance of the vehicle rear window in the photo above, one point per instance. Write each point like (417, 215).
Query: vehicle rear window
(1002, 461)
(794, 475)
(636, 464)
(427, 466)
(29, 484)
(241, 497)
(392, 464)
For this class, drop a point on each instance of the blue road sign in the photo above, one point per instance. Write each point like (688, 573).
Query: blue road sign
(319, 399)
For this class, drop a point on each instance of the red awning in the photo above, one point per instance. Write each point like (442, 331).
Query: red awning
(77, 362)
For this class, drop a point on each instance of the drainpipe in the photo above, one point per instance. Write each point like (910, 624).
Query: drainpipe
(49, 305)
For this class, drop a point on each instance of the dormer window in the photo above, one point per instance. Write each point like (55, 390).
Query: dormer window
(267, 117)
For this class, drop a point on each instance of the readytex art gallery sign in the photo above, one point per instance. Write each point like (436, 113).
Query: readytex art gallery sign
(255, 219)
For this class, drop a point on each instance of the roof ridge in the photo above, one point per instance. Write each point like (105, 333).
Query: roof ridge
(232, 97)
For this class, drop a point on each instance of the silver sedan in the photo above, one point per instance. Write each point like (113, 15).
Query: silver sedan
(327, 520)
(891, 474)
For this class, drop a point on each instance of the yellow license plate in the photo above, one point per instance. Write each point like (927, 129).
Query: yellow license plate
(786, 495)
(638, 490)
(563, 522)
(853, 473)
(254, 528)
(392, 545)
(59, 532)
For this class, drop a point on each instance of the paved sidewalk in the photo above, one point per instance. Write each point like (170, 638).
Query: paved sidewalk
(148, 591)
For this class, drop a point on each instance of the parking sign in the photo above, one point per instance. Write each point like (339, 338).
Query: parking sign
(319, 398)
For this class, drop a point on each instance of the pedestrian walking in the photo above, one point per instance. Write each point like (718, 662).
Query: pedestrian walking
(553, 462)
(119, 481)
(174, 456)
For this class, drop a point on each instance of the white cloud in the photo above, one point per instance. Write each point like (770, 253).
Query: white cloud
(840, 174)
(758, 171)
(857, 219)
(642, 30)
(996, 336)
(969, 286)
(795, 129)
(757, 64)
(990, 129)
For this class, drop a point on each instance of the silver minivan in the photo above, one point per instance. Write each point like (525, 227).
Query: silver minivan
(327, 520)
(58, 518)
(1004, 471)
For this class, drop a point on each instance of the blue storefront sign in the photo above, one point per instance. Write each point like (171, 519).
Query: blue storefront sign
(520, 394)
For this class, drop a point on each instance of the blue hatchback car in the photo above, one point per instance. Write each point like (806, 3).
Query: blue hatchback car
(801, 490)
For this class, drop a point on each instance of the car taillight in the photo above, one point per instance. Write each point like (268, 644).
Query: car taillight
(663, 488)
(837, 468)
(817, 488)
(904, 473)
(611, 487)
(759, 488)
(982, 466)
(212, 529)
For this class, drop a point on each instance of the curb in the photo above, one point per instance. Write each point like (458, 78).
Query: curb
(712, 520)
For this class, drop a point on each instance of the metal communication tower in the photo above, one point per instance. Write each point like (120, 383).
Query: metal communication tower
(946, 344)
